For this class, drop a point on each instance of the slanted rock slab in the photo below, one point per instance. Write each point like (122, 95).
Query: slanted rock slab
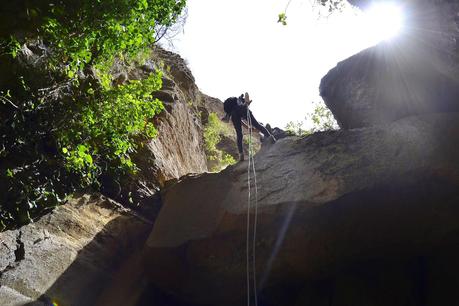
(323, 201)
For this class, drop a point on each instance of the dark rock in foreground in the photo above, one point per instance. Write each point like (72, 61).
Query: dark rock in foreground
(70, 255)
(329, 205)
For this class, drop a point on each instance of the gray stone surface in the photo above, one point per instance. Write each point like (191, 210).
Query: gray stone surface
(70, 255)
(323, 200)
(10, 297)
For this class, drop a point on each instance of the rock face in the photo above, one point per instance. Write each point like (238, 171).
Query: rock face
(325, 203)
(69, 255)
(415, 73)
(179, 148)
(361, 217)
(79, 251)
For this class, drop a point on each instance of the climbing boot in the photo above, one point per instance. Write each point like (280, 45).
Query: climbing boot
(271, 139)
(241, 157)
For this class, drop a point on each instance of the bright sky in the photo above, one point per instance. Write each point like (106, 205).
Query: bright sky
(233, 46)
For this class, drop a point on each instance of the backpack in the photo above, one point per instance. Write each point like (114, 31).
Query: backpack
(229, 105)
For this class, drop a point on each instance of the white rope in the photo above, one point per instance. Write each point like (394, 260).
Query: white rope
(255, 221)
(248, 221)
(251, 166)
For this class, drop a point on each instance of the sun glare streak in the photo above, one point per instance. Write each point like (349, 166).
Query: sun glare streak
(384, 20)
(277, 246)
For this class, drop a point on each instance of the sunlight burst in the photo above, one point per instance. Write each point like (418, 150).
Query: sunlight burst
(384, 20)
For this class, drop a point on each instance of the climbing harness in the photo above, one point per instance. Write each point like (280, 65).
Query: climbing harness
(251, 167)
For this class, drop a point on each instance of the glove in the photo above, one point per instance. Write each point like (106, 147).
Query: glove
(247, 99)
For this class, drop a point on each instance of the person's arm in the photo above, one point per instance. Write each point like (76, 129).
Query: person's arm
(247, 99)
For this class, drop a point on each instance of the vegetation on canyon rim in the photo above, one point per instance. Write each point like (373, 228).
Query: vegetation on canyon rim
(64, 121)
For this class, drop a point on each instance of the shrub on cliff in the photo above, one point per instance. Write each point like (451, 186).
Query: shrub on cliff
(327, 6)
(213, 132)
(64, 119)
(320, 119)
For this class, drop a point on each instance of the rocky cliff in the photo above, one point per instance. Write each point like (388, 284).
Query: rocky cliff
(179, 147)
(69, 255)
(73, 254)
(325, 202)
(412, 74)
(361, 216)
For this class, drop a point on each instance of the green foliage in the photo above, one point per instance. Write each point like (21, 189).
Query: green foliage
(65, 124)
(330, 6)
(252, 150)
(320, 119)
(213, 133)
(282, 19)
(227, 160)
(109, 124)
(297, 128)
(212, 136)
(52, 148)
(94, 32)
(13, 46)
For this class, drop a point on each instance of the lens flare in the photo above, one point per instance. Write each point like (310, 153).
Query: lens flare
(384, 20)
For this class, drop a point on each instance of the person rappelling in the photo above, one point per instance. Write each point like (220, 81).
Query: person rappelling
(238, 109)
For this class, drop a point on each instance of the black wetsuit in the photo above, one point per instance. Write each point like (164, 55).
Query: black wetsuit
(239, 112)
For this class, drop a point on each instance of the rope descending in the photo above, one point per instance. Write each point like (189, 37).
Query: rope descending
(251, 167)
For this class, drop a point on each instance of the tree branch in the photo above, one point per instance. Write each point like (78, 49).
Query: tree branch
(6, 100)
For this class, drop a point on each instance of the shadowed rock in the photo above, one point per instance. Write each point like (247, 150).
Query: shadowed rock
(70, 255)
(324, 201)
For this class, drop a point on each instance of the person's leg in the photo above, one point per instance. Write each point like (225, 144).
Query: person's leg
(236, 118)
(258, 126)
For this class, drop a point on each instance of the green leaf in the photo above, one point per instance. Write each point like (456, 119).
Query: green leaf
(9, 173)
(88, 159)
(82, 148)
(282, 18)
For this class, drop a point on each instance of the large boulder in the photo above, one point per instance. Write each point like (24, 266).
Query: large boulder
(325, 202)
(413, 74)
